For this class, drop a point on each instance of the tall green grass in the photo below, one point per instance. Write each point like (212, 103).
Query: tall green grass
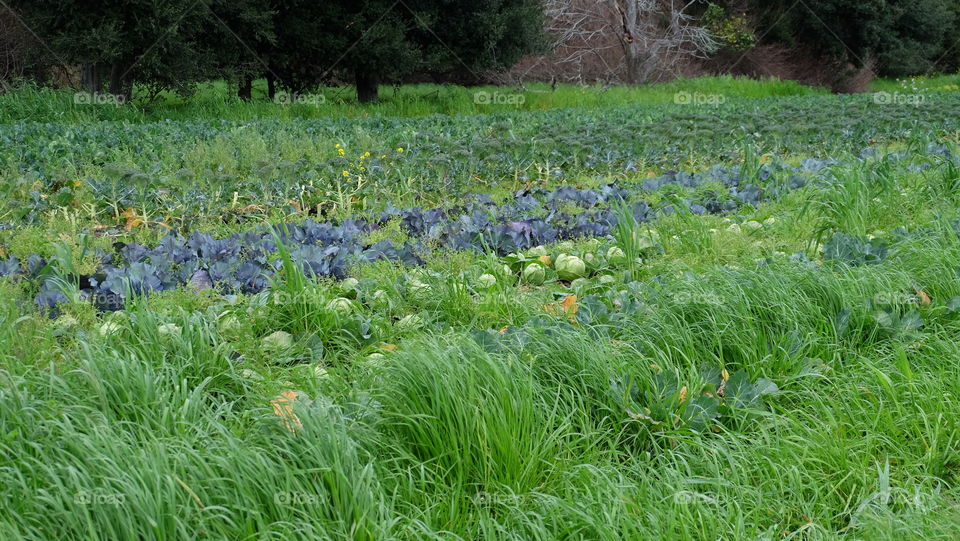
(151, 436)
(215, 100)
(925, 83)
(153, 433)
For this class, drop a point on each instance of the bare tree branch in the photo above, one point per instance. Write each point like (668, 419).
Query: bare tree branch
(653, 35)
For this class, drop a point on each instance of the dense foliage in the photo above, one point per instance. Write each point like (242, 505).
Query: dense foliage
(243, 263)
(297, 43)
(903, 37)
(143, 166)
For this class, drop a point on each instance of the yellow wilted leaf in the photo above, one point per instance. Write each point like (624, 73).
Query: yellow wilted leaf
(135, 220)
(132, 219)
(283, 408)
(567, 306)
(388, 347)
(570, 306)
(545, 259)
(924, 298)
(257, 208)
(683, 394)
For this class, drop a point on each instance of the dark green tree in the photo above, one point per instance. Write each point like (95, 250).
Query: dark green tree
(469, 38)
(370, 42)
(163, 44)
(948, 57)
(121, 42)
(242, 36)
(901, 36)
(912, 50)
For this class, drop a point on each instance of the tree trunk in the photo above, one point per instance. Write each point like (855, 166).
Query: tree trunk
(634, 60)
(648, 68)
(116, 84)
(120, 84)
(126, 89)
(641, 64)
(271, 86)
(631, 41)
(88, 77)
(368, 91)
(245, 92)
(633, 67)
(103, 77)
(93, 78)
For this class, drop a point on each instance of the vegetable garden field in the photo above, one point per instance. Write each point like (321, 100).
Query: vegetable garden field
(731, 318)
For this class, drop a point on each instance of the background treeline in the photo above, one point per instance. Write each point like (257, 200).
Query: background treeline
(172, 44)
(114, 46)
(902, 37)
(840, 44)
(888, 38)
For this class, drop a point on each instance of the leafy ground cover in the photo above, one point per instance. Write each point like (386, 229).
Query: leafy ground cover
(193, 173)
(735, 321)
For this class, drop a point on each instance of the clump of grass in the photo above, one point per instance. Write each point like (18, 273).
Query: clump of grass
(391, 231)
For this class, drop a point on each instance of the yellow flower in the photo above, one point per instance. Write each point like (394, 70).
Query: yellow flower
(366, 154)
(346, 173)
(341, 152)
(400, 150)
